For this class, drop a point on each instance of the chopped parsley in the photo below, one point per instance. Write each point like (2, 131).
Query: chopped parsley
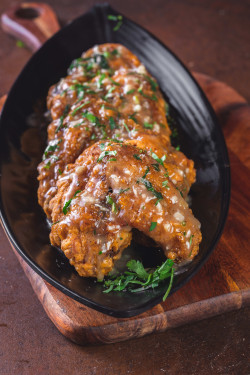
(114, 82)
(152, 226)
(118, 19)
(137, 157)
(110, 201)
(153, 97)
(99, 82)
(160, 161)
(165, 184)
(51, 148)
(148, 126)
(132, 117)
(130, 91)
(65, 112)
(79, 107)
(68, 203)
(112, 88)
(106, 153)
(153, 84)
(138, 279)
(112, 123)
(146, 172)
(150, 187)
(123, 190)
(156, 167)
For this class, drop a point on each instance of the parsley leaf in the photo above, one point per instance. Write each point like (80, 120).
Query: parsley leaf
(138, 279)
(106, 153)
(152, 226)
(68, 203)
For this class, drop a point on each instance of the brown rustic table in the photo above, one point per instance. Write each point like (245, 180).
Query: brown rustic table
(212, 37)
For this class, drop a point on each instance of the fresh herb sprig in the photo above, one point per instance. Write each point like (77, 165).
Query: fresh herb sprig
(138, 279)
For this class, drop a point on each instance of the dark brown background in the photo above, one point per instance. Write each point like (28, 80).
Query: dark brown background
(212, 37)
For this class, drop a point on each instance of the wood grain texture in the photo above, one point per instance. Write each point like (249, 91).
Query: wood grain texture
(223, 283)
(32, 23)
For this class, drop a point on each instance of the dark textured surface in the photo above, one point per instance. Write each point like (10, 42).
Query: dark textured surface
(209, 36)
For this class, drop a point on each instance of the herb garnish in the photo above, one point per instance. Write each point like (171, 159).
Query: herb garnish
(106, 153)
(153, 97)
(110, 201)
(65, 112)
(79, 107)
(156, 167)
(137, 157)
(130, 92)
(165, 184)
(152, 226)
(132, 117)
(51, 148)
(149, 187)
(112, 123)
(146, 172)
(138, 279)
(123, 190)
(153, 84)
(148, 126)
(160, 161)
(118, 18)
(68, 203)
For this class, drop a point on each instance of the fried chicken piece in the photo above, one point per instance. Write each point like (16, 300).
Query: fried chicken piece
(101, 114)
(110, 189)
(100, 60)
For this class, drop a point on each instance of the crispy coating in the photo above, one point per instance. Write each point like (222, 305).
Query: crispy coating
(114, 188)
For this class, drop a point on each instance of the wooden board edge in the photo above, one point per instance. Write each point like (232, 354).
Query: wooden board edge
(134, 327)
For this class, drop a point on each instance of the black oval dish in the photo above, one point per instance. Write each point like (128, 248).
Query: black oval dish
(200, 139)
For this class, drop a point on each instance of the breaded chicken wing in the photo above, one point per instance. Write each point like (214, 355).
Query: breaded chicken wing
(110, 189)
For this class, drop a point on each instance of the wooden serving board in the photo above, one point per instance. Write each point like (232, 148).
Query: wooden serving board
(222, 285)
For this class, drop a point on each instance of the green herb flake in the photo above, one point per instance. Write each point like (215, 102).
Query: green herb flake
(51, 148)
(153, 97)
(148, 126)
(156, 167)
(100, 252)
(152, 226)
(114, 82)
(65, 112)
(118, 19)
(149, 187)
(68, 203)
(160, 161)
(126, 127)
(184, 223)
(146, 172)
(20, 44)
(177, 148)
(99, 82)
(165, 184)
(110, 201)
(153, 84)
(130, 92)
(112, 123)
(112, 88)
(132, 117)
(106, 153)
(123, 190)
(115, 52)
(137, 157)
(77, 108)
